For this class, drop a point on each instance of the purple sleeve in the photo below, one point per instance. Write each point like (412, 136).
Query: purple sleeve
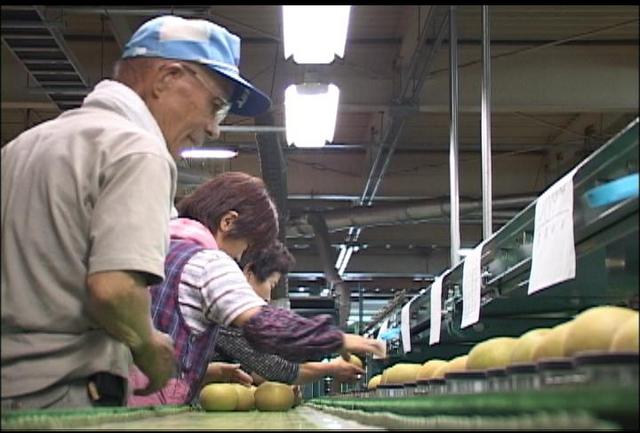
(293, 337)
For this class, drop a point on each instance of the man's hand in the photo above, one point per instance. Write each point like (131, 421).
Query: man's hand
(156, 360)
(225, 372)
(120, 303)
(344, 371)
(359, 344)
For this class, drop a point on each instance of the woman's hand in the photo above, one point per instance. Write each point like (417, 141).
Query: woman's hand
(359, 344)
(344, 371)
(225, 372)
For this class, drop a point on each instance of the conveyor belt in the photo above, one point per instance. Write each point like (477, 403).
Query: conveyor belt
(178, 418)
(559, 420)
(300, 418)
(611, 406)
(594, 407)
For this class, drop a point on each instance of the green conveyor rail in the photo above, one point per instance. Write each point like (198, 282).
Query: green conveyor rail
(620, 404)
(554, 421)
(70, 418)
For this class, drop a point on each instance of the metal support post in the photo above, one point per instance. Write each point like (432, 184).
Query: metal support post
(453, 137)
(487, 219)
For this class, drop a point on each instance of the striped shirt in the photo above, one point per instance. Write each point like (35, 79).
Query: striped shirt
(212, 286)
(231, 346)
(214, 289)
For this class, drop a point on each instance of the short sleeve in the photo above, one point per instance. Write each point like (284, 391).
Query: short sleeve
(129, 228)
(226, 293)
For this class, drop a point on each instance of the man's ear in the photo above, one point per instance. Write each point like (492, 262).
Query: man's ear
(165, 77)
(227, 221)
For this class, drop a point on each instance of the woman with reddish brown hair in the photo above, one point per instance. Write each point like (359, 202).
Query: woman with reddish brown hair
(205, 288)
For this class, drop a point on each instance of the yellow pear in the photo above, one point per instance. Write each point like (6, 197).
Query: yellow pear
(246, 401)
(402, 373)
(456, 364)
(429, 368)
(218, 397)
(551, 345)
(492, 353)
(374, 381)
(383, 376)
(274, 396)
(626, 338)
(523, 350)
(355, 360)
(594, 329)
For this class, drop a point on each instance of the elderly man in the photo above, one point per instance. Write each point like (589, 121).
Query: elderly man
(86, 200)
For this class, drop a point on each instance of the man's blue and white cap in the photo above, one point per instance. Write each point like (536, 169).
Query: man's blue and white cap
(201, 41)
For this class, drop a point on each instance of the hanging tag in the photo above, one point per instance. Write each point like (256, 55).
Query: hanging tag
(405, 325)
(553, 258)
(381, 332)
(436, 310)
(471, 287)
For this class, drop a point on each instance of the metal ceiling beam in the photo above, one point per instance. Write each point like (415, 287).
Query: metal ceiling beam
(327, 258)
(273, 167)
(411, 87)
(120, 29)
(33, 34)
(404, 104)
(138, 11)
(374, 108)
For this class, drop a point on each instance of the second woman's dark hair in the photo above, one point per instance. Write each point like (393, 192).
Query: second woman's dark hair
(234, 191)
(266, 261)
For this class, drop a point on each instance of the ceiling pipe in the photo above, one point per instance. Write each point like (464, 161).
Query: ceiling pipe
(403, 213)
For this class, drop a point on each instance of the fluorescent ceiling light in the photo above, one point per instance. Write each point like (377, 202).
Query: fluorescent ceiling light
(343, 250)
(201, 152)
(345, 262)
(310, 113)
(314, 34)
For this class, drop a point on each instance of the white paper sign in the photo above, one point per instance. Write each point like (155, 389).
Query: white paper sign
(553, 258)
(436, 310)
(471, 287)
(383, 329)
(405, 326)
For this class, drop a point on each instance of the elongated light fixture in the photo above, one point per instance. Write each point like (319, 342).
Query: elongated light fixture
(203, 153)
(314, 34)
(310, 113)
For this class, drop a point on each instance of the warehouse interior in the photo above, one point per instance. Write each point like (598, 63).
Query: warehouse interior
(367, 216)
(564, 80)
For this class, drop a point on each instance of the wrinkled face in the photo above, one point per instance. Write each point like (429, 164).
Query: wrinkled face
(263, 288)
(193, 107)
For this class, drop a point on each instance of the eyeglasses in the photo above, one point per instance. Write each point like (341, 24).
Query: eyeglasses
(219, 106)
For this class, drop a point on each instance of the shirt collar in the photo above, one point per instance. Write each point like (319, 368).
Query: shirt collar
(120, 98)
(192, 230)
